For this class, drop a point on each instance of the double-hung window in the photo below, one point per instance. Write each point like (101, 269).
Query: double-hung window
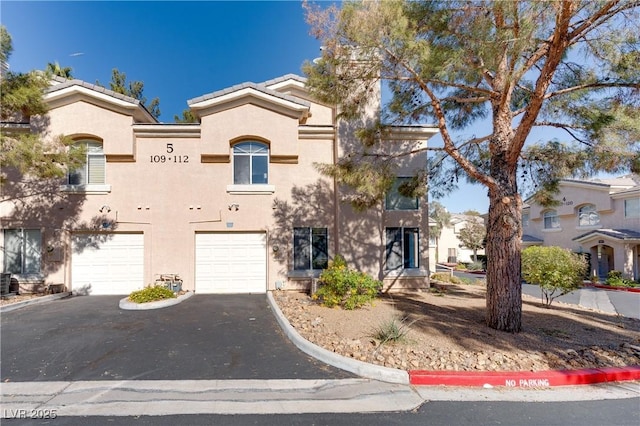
(310, 249)
(551, 221)
(22, 251)
(250, 163)
(402, 248)
(394, 200)
(92, 172)
(588, 216)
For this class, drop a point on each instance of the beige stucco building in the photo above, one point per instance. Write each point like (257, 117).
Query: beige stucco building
(450, 248)
(232, 204)
(600, 218)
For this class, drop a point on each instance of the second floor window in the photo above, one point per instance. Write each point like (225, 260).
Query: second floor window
(588, 216)
(394, 200)
(250, 163)
(632, 208)
(551, 220)
(93, 170)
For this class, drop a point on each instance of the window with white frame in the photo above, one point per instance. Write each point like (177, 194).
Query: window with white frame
(92, 172)
(394, 200)
(310, 249)
(402, 248)
(551, 220)
(250, 163)
(588, 216)
(632, 208)
(525, 219)
(22, 251)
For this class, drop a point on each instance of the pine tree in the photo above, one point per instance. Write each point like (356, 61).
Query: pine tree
(572, 65)
(23, 145)
(133, 89)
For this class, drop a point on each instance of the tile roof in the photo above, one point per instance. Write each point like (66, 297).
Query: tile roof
(63, 83)
(531, 239)
(261, 87)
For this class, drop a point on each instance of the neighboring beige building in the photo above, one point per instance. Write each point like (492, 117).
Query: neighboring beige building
(600, 218)
(450, 248)
(233, 204)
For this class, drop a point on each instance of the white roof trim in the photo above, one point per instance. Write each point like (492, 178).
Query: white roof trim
(287, 83)
(92, 93)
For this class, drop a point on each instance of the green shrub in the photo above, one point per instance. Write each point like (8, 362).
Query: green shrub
(615, 279)
(556, 270)
(151, 294)
(446, 277)
(461, 266)
(346, 287)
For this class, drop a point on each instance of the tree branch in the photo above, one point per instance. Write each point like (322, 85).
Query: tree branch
(449, 146)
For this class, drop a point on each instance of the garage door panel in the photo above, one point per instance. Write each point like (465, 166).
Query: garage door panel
(107, 264)
(231, 263)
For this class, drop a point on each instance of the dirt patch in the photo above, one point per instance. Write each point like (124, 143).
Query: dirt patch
(445, 330)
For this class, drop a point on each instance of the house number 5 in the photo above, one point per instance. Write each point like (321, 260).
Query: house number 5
(169, 158)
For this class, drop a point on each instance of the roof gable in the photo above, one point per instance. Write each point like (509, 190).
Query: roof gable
(250, 93)
(63, 92)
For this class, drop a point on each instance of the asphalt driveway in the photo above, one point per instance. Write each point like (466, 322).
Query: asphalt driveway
(204, 337)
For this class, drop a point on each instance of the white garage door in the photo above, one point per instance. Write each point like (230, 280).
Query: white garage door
(231, 263)
(107, 263)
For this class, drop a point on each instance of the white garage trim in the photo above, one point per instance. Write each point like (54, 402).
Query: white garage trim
(107, 263)
(231, 262)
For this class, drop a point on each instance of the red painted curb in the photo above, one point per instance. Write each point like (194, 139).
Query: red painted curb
(524, 379)
(608, 287)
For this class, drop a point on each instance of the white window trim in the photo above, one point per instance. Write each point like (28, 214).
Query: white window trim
(300, 274)
(267, 155)
(87, 189)
(551, 230)
(251, 189)
(88, 186)
(409, 273)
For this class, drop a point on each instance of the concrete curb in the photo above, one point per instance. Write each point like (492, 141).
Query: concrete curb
(34, 301)
(362, 369)
(132, 306)
(509, 379)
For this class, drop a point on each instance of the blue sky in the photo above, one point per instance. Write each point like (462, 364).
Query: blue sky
(180, 50)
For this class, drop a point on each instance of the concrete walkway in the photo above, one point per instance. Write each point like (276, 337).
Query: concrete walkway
(625, 303)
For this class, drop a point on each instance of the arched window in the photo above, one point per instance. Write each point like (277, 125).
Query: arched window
(250, 163)
(551, 219)
(588, 216)
(93, 170)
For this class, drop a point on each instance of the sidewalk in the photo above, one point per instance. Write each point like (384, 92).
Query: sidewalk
(617, 302)
(156, 398)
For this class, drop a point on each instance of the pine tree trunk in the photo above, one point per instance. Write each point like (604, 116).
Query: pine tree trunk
(504, 235)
